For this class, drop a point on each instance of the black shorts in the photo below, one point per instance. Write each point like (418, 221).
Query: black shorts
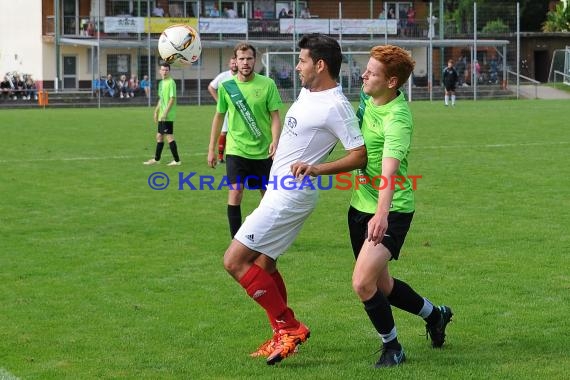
(450, 88)
(256, 172)
(398, 227)
(166, 127)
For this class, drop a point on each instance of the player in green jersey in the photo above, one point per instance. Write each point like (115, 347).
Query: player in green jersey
(252, 103)
(164, 115)
(380, 214)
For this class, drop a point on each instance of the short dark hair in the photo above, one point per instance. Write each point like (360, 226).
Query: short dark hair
(322, 47)
(243, 46)
(165, 64)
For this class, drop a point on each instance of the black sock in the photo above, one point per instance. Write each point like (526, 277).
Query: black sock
(380, 313)
(234, 217)
(158, 153)
(174, 150)
(405, 298)
(434, 317)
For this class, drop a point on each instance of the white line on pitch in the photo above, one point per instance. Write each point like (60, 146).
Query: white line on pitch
(491, 145)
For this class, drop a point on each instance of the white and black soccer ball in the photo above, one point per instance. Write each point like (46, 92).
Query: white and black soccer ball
(180, 45)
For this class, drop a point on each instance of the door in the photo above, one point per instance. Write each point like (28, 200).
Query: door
(69, 72)
(541, 65)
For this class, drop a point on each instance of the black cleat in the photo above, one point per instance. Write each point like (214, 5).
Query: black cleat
(437, 331)
(390, 358)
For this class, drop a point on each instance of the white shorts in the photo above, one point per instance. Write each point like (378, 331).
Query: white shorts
(225, 125)
(273, 226)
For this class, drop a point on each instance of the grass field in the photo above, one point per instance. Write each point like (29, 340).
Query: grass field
(102, 277)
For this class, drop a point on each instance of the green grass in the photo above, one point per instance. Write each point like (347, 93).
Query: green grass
(103, 278)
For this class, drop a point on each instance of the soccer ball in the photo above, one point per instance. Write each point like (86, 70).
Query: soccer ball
(179, 45)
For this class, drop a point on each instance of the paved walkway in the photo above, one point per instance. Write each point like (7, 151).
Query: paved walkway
(541, 92)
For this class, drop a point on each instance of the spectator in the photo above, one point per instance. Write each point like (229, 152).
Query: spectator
(158, 11)
(258, 14)
(382, 14)
(145, 86)
(214, 11)
(355, 73)
(460, 67)
(30, 88)
(305, 13)
(230, 13)
(110, 86)
(391, 14)
(284, 77)
(290, 14)
(411, 16)
(6, 88)
(493, 67)
(133, 85)
(19, 87)
(283, 13)
(476, 71)
(123, 86)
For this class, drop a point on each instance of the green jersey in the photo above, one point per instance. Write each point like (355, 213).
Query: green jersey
(167, 90)
(387, 132)
(262, 97)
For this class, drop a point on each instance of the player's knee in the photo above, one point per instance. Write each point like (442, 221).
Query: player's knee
(363, 288)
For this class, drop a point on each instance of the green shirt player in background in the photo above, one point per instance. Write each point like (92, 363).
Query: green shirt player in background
(252, 103)
(380, 214)
(164, 115)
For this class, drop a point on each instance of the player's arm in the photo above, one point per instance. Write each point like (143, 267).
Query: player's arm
(214, 92)
(355, 159)
(156, 111)
(275, 132)
(217, 123)
(168, 107)
(378, 224)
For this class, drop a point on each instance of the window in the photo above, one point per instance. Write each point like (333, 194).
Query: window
(118, 64)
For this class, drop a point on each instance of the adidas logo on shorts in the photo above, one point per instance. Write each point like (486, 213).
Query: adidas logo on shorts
(250, 238)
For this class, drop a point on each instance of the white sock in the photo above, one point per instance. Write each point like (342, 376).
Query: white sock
(446, 99)
(452, 100)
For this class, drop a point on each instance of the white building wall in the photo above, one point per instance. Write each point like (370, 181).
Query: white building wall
(21, 45)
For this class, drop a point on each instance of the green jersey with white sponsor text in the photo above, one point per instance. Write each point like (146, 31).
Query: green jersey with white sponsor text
(262, 97)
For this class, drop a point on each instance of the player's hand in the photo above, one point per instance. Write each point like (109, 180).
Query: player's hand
(272, 149)
(212, 160)
(302, 169)
(377, 227)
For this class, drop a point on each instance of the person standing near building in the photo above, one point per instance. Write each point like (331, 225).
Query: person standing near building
(164, 116)
(379, 220)
(320, 118)
(252, 103)
(450, 78)
(213, 90)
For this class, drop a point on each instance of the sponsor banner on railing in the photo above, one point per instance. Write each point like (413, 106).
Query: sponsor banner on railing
(263, 27)
(158, 24)
(223, 25)
(144, 24)
(303, 26)
(123, 25)
(363, 26)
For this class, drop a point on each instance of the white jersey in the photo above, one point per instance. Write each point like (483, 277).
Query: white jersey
(224, 75)
(312, 127)
(215, 83)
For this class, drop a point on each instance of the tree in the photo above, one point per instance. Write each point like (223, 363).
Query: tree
(558, 20)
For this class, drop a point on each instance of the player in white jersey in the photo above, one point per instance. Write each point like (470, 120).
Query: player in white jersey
(319, 118)
(213, 90)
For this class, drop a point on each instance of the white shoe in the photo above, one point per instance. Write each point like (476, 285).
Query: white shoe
(152, 161)
(174, 163)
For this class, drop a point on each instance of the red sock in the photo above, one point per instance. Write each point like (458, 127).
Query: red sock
(283, 291)
(260, 286)
(221, 146)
